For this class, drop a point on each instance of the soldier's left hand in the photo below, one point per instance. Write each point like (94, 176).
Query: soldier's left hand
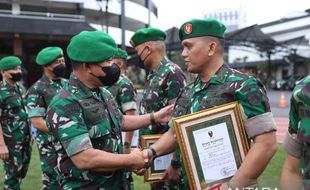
(173, 175)
(140, 172)
(4, 152)
(164, 114)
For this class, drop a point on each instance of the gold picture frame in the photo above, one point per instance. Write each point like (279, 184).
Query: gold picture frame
(213, 144)
(156, 171)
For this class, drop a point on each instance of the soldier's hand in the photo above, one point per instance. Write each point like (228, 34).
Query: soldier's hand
(164, 114)
(137, 158)
(147, 158)
(140, 171)
(173, 175)
(4, 152)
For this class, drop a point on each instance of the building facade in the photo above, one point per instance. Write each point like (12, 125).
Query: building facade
(287, 60)
(28, 26)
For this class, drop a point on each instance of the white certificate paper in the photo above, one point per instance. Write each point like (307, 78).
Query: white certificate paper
(162, 162)
(215, 152)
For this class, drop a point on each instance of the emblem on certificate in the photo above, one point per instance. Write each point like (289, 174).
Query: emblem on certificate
(157, 169)
(213, 144)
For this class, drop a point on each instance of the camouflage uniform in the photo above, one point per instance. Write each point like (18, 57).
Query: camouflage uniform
(80, 118)
(39, 97)
(125, 95)
(297, 140)
(162, 87)
(228, 85)
(16, 133)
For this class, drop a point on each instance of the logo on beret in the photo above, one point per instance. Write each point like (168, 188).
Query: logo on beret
(132, 43)
(188, 28)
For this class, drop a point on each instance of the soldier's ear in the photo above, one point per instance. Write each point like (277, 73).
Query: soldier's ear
(86, 67)
(212, 48)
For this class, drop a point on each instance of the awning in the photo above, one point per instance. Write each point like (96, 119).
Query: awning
(42, 26)
(252, 34)
(254, 64)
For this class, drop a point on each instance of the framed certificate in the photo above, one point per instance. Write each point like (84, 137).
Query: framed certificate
(213, 144)
(156, 171)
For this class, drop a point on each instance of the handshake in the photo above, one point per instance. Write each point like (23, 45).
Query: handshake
(141, 160)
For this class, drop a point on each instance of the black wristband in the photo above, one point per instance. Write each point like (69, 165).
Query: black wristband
(127, 144)
(175, 164)
(154, 154)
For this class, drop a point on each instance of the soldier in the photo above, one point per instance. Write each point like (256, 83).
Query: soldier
(125, 95)
(296, 168)
(86, 123)
(15, 139)
(216, 84)
(39, 97)
(164, 83)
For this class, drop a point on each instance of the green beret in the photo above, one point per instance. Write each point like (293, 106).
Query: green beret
(9, 62)
(48, 55)
(121, 54)
(91, 47)
(197, 28)
(147, 34)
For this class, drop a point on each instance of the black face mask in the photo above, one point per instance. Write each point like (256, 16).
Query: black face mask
(140, 61)
(112, 74)
(16, 76)
(60, 70)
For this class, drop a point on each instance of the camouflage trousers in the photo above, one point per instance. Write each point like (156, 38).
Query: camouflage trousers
(130, 179)
(165, 186)
(17, 166)
(50, 177)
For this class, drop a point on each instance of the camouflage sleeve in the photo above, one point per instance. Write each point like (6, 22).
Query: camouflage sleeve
(127, 96)
(35, 103)
(65, 120)
(174, 84)
(291, 144)
(255, 106)
(293, 117)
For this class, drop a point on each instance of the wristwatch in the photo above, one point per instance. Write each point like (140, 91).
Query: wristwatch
(127, 144)
(175, 164)
(152, 151)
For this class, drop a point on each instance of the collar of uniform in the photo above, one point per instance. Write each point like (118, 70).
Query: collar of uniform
(160, 66)
(220, 76)
(46, 79)
(120, 78)
(78, 86)
(6, 84)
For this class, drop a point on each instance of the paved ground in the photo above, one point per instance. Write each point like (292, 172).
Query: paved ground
(282, 124)
(280, 113)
